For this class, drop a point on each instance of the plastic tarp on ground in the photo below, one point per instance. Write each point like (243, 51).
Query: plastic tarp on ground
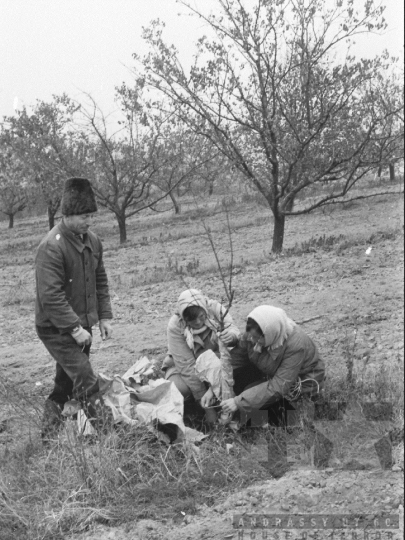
(153, 401)
(218, 373)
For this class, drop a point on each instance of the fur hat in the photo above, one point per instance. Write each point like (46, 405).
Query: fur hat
(78, 197)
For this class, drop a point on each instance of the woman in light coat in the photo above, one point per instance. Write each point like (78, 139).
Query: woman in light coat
(195, 328)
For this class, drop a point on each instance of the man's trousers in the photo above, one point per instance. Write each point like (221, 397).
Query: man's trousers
(75, 377)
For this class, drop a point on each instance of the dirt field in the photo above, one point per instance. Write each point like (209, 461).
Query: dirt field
(324, 272)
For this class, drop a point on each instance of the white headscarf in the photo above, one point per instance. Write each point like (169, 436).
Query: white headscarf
(191, 297)
(274, 323)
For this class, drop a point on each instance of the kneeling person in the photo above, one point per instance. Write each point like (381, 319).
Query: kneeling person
(192, 330)
(274, 363)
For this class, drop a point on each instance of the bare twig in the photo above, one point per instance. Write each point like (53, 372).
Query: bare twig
(309, 319)
(226, 280)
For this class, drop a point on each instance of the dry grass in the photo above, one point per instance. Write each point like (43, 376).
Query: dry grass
(130, 474)
(126, 475)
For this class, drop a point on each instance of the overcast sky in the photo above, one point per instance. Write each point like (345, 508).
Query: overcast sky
(54, 46)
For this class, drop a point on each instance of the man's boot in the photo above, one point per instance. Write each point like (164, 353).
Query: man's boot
(51, 421)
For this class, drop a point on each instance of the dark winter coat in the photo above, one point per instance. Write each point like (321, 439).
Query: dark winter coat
(297, 358)
(72, 285)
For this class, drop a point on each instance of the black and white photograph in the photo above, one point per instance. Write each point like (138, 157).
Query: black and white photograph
(201, 269)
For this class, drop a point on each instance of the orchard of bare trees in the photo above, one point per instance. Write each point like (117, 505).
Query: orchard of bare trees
(275, 100)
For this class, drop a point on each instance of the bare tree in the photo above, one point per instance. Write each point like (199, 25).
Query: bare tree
(123, 163)
(48, 145)
(388, 95)
(14, 193)
(190, 158)
(270, 91)
(214, 172)
(143, 161)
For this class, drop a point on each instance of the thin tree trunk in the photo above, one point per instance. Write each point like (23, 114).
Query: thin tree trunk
(177, 206)
(123, 229)
(278, 233)
(51, 218)
(11, 221)
(392, 172)
(379, 171)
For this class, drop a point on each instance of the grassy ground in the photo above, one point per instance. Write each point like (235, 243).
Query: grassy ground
(324, 272)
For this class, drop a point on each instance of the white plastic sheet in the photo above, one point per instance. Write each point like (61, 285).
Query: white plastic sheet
(141, 370)
(135, 404)
(218, 373)
(209, 369)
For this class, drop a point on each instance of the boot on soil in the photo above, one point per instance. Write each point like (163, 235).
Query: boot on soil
(52, 421)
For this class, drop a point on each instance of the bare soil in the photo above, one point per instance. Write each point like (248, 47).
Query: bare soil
(350, 302)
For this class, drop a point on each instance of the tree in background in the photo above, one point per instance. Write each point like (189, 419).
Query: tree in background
(143, 161)
(187, 158)
(46, 141)
(14, 190)
(274, 93)
(388, 95)
(125, 161)
(217, 170)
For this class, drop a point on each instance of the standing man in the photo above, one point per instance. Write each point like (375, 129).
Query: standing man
(72, 296)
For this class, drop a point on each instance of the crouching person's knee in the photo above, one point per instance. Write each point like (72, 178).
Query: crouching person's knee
(181, 386)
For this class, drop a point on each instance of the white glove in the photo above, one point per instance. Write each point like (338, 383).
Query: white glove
(82, 337)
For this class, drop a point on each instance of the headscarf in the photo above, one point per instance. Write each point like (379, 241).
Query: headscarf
(274, 323)
(192, 297)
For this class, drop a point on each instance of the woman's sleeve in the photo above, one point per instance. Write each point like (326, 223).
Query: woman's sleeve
(277, 387)
(239, 354)
(184, 360)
